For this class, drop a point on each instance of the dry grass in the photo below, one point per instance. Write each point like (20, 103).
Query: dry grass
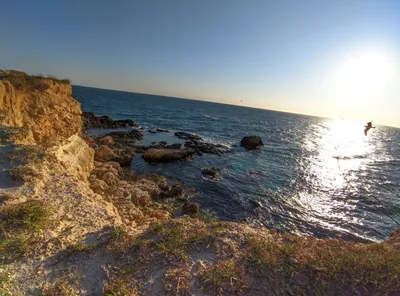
(23, 81)
(13, 134)
(326, 263)
(27, 154)
(23, 173)
(221, 276)
(173, 239)
(123, 285)
(19, 223)
(80, 247)
(207, 216)
(4, 282)
(59, 288)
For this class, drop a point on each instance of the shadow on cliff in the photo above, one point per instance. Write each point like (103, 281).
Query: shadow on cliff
(83, 264)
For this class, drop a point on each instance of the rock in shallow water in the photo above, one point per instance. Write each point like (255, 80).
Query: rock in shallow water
(210, 171)
(122, 136)
(165, 155)
(199, 146)
(251, 142)
(90, 120)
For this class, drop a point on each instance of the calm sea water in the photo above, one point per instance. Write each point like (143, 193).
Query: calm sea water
(320, 176)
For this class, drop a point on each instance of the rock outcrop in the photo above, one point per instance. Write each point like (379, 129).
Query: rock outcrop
(48, 113)
(76, 157)
(90, 120)
(251, 142)
(197, 143)
(165, 155)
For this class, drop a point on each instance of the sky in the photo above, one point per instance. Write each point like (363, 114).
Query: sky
(329, 58)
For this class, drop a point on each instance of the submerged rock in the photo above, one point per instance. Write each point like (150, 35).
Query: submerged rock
(251, 142)
(90, 120)
(158, 130)
(187, 136)
(164, 155)
(126, 136)
(210, 171)
(199, 146)
(257, 172)
(256, 203)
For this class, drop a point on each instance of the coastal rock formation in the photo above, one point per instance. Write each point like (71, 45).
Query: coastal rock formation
(126, 136)
(104, 153)
(158, 130)
(48, 113)
(212, 173)
(90, 120)
(76, 157)
(107, 140)
(251, 142)
(197, 143)
(174, 192)
(187, 136)
(165, 155)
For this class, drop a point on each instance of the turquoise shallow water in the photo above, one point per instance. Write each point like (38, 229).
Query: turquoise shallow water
(317, 176)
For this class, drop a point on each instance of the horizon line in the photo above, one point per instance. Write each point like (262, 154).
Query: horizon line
(221, 103)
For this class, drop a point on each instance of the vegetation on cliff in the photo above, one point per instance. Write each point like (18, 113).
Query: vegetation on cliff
(22, 81)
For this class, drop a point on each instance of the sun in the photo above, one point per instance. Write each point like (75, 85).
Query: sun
(363, 77)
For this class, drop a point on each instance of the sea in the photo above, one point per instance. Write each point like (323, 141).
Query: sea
(314, 176)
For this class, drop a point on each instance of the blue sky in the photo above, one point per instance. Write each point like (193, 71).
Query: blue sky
(282, 55)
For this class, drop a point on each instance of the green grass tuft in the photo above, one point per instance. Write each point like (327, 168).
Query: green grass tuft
(220, 274)
(19, 223)
(23, 173)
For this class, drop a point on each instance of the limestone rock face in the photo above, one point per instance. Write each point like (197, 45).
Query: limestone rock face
(76, 157)
(49, 113)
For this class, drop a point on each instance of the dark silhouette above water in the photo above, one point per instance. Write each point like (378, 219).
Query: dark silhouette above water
(368, 127)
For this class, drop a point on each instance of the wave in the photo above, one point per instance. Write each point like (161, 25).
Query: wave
(209, 116)
(350, 157)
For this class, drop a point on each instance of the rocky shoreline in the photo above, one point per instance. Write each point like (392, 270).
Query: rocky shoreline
(76, 220)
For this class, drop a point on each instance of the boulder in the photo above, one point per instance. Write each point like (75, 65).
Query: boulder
(189, 208)
(124, 159)
(174, 192)
(104, 153)
(165, 155)
(251, 142)
(107, 140)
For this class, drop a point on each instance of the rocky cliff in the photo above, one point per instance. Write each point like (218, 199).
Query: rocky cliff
(42, 106)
